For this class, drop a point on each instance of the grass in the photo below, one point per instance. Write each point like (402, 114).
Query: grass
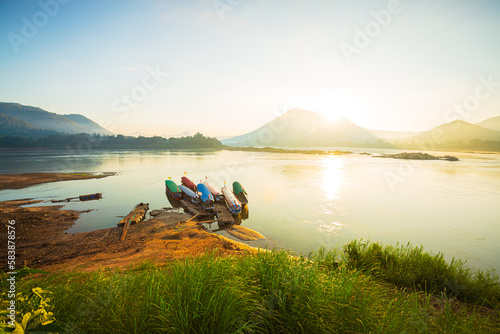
(365, 288)
(412, 267)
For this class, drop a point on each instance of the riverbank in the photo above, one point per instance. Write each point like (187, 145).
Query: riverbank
(23, 180)
(42, 243)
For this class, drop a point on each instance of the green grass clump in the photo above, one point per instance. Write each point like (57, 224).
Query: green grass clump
(412, 267)
(272, 292)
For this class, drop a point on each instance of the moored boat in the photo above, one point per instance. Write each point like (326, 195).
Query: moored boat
(207, 199)
(213, 190)
(173, 190)
(240, 193)
(233, 204)
(188, 183)
(90, 197)
(188, 193)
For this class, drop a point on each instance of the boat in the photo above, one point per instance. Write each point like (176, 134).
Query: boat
(240, 193)
(82, 198)
(188, 193)
(188, 183)
(90, 197)
(233, 204)
(173, 190)
(207, 199)
(214, 191)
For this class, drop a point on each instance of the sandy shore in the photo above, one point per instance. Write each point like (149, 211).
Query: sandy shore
(23, 180)
(41, 240)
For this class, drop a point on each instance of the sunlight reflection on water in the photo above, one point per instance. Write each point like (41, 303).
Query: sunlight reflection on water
(332, 177)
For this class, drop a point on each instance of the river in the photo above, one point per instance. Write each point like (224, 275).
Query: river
(298, 201)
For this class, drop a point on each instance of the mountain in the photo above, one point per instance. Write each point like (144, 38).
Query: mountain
(456, 131)
(90, 125)
(492, 123)
(392, 135)
(43, 120)
(137, 134)
(302, 128)
(17, 128)
(178, 135)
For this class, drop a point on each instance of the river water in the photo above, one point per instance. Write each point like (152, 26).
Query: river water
(299, 202)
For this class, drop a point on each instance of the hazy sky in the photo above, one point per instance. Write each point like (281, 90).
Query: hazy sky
(225, 67)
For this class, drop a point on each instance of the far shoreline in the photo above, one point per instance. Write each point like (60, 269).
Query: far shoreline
(24, 180)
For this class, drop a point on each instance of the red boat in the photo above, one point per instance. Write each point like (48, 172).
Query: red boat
(188, 183)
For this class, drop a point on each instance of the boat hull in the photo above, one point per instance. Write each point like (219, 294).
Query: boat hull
(173, 190)
(90, 197)
(218, 197)
(188, 183)
(233, 204)
(189, 194)
(207, 199)
(240, 193)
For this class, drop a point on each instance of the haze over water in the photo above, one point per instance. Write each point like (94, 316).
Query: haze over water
(300, 202)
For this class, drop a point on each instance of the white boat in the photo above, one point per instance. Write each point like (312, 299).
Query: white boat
(213, 190)
(194, 197)
(233, 204)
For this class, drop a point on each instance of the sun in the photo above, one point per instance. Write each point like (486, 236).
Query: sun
(332, 115)
(334, 106)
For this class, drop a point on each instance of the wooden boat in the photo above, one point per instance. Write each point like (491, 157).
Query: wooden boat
(214, 191)
(240, 193)
(188, 193)
(188, 183)
(135, 216)
(90, 197)
(207, 199)
(233, 204)
(173, 190)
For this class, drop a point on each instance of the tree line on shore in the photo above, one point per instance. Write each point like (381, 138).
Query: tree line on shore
(112, 142)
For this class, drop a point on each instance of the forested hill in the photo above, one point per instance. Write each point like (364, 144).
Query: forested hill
(27, 121)
(86, 141)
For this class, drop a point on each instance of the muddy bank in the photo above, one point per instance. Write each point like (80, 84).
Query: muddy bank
(43, 243)
(23, 180)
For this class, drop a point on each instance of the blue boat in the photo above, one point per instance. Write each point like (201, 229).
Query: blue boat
(207, 199)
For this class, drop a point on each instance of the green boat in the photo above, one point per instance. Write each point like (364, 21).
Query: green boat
(173, 190)
(240, 192)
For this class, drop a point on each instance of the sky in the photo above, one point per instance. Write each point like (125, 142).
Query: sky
(226, 67)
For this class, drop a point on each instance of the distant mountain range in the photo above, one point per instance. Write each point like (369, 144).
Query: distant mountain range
(491, 123)
(302, 128)
(26, 121)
